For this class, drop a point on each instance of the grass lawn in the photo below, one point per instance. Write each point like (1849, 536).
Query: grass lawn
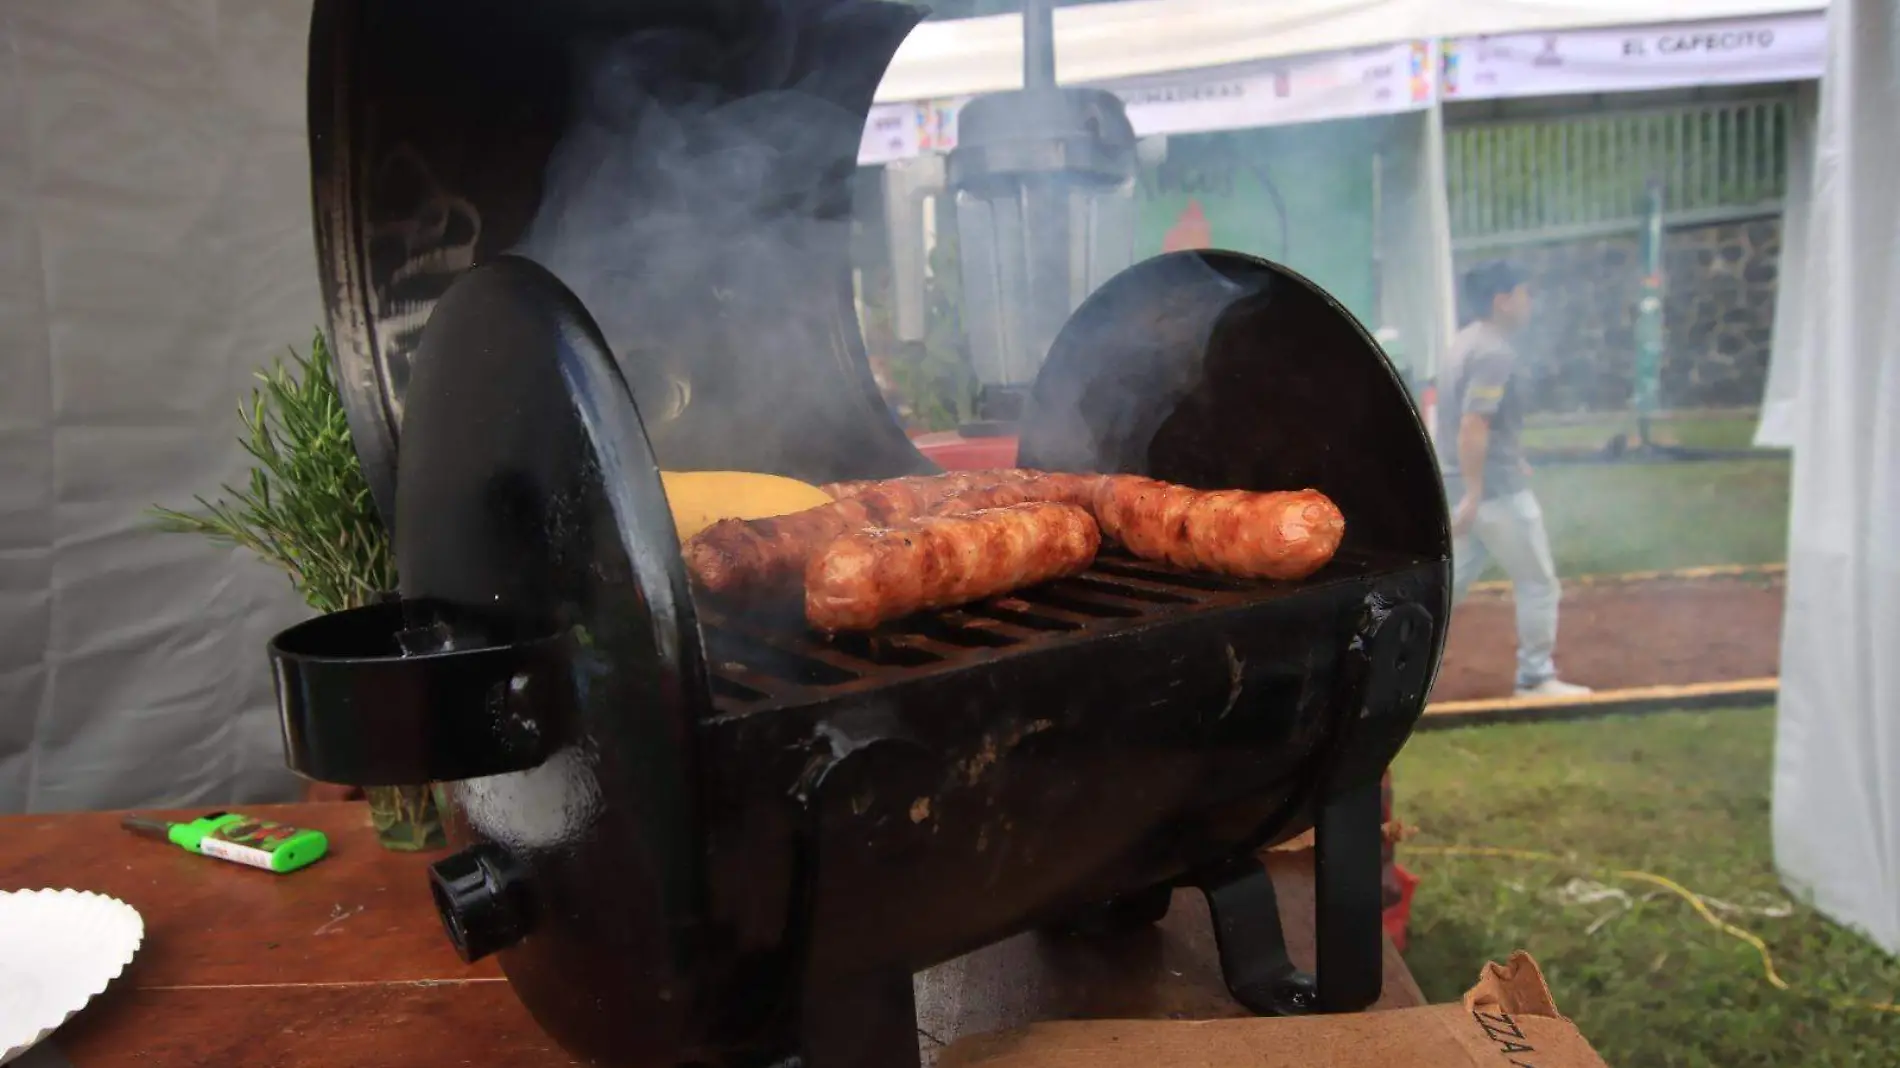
(1612, 518)
(1684, 795)
(1722, 431)
(1607, 518)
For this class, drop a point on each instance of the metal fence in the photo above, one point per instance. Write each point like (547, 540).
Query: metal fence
(1521, 180)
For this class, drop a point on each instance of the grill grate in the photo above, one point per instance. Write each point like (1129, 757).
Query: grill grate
(757, 665)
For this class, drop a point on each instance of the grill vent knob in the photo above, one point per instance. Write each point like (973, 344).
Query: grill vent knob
(482, 901)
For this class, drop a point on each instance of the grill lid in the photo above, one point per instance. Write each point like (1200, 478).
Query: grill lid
(440, 128)
(1214, 368)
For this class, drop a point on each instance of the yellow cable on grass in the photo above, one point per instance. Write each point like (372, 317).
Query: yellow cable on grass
(1694, 899)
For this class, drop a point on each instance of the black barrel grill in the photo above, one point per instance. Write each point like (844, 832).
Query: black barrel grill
(702, 838)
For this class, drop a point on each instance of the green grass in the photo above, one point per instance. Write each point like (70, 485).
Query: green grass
(1708, 432)
(1684, 795)
(1611, 518)
(1618, 518)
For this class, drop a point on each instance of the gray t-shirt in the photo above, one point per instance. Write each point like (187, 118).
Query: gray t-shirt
(1479, 378)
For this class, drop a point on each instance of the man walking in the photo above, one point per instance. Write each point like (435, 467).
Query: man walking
(1487, 479)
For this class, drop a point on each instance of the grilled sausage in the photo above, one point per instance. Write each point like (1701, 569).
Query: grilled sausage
(1062, 488)
(1231, 532)
(764, 559)
(867, 578)
(933, 488)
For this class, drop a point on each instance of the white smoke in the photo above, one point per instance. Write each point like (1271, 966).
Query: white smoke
(692, 206)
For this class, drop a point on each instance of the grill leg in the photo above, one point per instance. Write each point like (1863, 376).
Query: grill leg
(1253, 957)
(871, 1023)
(1350, 971)
(1350, 894)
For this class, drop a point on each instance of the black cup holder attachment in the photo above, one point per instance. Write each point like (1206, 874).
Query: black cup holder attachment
(404, 692)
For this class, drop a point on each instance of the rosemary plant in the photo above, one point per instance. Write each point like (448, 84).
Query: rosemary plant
(307, 508)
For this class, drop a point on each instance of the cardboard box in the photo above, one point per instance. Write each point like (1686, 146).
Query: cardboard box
(1506, 1021)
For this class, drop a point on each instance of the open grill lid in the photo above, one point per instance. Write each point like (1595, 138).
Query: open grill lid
(436, 127)
(1219, 369)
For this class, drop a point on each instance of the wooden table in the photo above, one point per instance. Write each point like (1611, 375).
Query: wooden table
(345, 963)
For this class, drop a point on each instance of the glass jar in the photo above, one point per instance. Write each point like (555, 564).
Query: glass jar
(406, 818)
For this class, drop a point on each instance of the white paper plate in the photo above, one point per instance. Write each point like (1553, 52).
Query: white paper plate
(58, 950)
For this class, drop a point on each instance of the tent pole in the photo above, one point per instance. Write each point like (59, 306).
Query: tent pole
(1039, 45)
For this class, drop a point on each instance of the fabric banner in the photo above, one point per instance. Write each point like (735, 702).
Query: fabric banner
(1383, 80)
(1630, 59)
(1387, 79)
(937, 124)
(890, 133)
(1339, 85)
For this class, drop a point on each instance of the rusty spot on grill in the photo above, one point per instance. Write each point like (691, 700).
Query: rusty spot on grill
(1236, 674)
(985, 757)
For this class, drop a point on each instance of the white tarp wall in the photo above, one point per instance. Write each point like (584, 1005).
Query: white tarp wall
(154, 248)
(1837, 747)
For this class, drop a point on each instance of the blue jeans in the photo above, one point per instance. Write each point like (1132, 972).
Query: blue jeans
(1510, 530)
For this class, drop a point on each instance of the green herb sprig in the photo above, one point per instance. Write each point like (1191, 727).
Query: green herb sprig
(307, 509)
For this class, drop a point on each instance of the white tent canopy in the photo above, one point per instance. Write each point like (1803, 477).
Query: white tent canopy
(1837, 745)
(1779, 395)
(1113, 41)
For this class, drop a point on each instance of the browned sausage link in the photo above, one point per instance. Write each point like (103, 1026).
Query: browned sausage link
(867, 578)
(933, 488)
(753, 558)
(1231, 532)
(1062, 488)
(757, 559)
(890, 502)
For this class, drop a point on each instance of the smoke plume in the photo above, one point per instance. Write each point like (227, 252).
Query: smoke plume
(698, 205)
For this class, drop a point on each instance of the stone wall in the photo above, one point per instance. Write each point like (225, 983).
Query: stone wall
(1579, 351)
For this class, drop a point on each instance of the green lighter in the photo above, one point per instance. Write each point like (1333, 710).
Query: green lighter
(239, 839)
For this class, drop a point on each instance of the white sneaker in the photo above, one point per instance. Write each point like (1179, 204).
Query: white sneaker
(1553, 688)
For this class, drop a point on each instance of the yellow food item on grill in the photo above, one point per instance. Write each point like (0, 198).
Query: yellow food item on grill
(701, 498)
